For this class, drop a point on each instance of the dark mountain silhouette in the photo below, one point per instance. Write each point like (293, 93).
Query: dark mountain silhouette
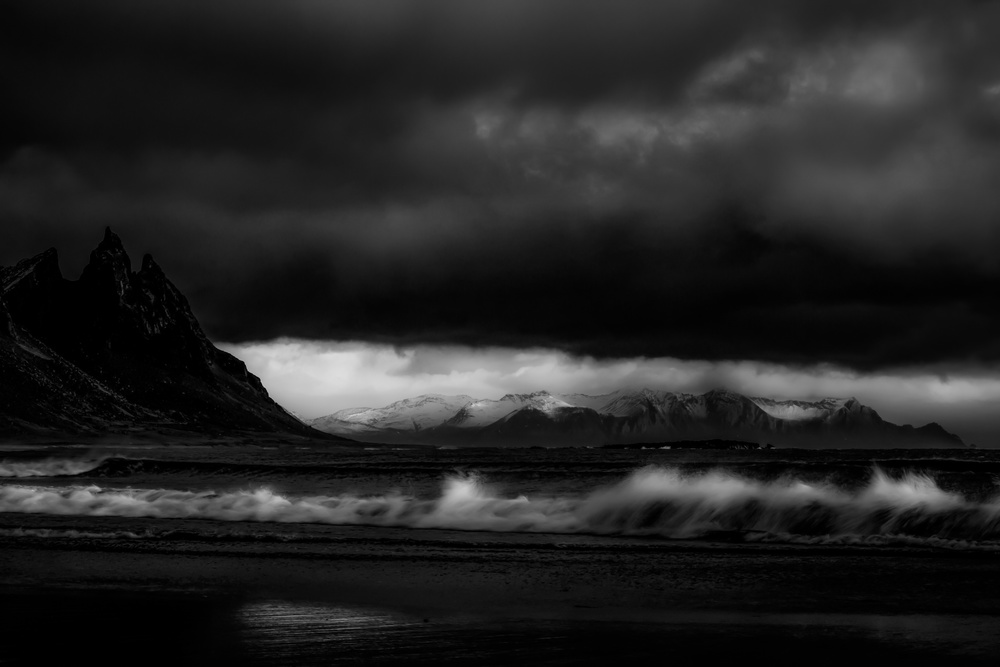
(119, 351)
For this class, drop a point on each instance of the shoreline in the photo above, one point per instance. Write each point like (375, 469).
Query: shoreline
(458, 571)
(398, 604)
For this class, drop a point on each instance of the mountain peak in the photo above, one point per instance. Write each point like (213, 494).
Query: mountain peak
(42, 269)
(110, 266)
(149, 266)
(110, 246)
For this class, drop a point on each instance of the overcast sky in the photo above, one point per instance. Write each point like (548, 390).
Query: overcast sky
(805, 186)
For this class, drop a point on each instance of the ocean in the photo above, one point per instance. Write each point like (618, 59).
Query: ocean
(285, 555)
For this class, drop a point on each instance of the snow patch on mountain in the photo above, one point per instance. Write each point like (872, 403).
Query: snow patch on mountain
(483, 412)
(800, 410)
(410, 414)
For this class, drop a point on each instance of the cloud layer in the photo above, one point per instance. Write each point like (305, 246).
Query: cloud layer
(794, 183)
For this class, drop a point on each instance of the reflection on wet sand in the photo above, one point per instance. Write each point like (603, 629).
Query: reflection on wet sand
(197, 630)
(289, 633)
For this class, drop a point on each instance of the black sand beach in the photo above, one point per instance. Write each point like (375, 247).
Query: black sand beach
(393, 596)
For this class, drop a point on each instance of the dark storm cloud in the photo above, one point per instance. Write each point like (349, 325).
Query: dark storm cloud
(785, 181)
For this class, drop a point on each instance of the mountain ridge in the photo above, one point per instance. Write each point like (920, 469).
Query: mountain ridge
(630, 416)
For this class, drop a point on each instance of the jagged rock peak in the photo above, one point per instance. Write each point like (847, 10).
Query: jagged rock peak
(149, 266)
(109, 264)
(111, 241)
(41, 269)
(110, 246)
(46, 258)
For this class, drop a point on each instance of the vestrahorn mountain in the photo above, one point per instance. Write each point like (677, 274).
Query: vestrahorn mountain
(643, 416)
(119, 351)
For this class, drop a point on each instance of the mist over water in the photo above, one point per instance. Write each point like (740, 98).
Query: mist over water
(654, 501)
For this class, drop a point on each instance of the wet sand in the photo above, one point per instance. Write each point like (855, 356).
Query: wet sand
(399, 596)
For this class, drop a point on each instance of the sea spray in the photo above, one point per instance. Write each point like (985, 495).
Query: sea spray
(654, 501)
(51, 467)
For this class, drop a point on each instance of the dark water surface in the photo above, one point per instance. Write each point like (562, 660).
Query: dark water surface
(244, 555)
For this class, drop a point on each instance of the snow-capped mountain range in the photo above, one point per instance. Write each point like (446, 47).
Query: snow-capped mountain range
(543, 418)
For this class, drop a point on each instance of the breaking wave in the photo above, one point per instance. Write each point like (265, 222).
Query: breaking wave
(72, 534)
(49, 467)
(910, 509)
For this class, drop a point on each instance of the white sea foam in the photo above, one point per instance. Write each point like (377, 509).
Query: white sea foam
(653, 501)
(71, 534)
(48, 467)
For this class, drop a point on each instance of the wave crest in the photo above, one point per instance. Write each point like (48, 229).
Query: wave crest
(49, 467)
(650, 502)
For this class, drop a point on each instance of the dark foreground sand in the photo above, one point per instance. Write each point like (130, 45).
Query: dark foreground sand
(400, 596)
